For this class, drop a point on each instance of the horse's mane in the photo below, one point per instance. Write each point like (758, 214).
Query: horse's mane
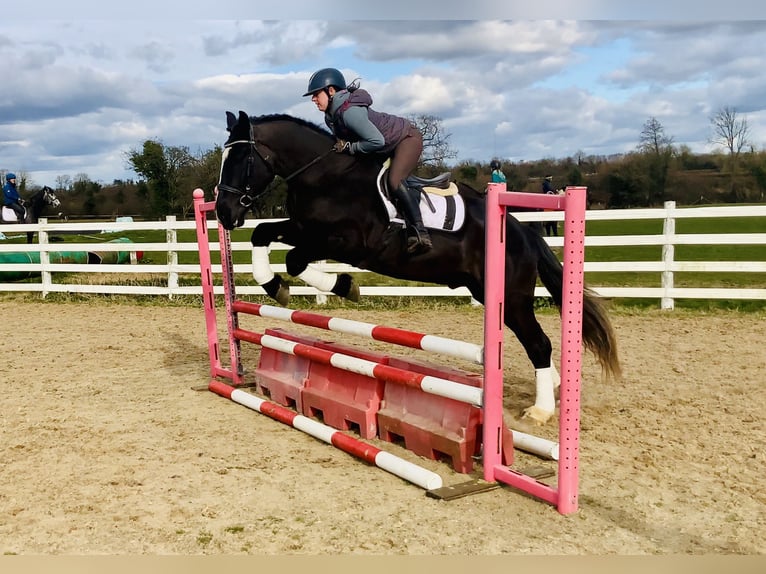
(292, 119)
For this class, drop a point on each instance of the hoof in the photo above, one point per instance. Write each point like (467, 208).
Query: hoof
(536, 415)
(346, 287)
(283, 295)
(278, 290)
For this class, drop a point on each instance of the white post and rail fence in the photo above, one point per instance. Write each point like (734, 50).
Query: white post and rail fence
(160, 273)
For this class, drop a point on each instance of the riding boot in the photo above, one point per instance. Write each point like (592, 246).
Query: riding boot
(418, 239)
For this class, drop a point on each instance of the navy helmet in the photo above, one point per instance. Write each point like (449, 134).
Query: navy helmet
(324, 78)
(9, 176)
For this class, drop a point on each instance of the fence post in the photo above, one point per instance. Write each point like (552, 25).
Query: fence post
(171, 236)
(668, 254)
(45, 260)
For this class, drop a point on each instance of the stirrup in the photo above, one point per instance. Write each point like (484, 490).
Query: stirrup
(418, 241)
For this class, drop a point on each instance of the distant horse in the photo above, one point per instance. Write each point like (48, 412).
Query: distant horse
(34, 206)
(337, 212)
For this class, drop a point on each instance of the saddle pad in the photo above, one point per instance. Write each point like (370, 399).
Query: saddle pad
(9, 215)
(448, 214)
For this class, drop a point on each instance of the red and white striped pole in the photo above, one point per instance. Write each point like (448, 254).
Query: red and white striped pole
(433, 343)
(397, 466)
(426, 383)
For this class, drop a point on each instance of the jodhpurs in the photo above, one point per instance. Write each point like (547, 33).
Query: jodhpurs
(405, 157)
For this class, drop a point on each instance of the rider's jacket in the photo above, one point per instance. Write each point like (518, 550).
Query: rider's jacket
(351, 118)
(10, 194)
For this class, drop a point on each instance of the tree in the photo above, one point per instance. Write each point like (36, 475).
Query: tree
(162, 167)
(63, 183)
(730, 131)
(657, 149)
(436, 148)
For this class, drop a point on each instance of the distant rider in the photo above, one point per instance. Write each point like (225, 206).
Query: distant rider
(497, 174)
(11, 197)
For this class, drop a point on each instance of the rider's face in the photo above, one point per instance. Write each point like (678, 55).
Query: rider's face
(321, 100)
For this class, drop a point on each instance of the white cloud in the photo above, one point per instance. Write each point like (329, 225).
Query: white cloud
(79, 94)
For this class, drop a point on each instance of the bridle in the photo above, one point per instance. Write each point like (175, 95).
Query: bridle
(245, 197)
(50, 198)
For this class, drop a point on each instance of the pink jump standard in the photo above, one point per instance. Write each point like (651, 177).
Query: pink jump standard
(395, 465)
(564, 496)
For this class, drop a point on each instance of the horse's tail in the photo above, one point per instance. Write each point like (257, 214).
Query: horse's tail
(597, 332)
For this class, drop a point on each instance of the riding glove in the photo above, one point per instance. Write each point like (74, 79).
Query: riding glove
(341, 146)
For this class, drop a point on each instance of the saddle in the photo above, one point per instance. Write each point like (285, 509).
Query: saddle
(439, 185)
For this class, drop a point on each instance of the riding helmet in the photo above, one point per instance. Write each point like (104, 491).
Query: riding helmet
(494, 164)
(325, 78)
(9, 176)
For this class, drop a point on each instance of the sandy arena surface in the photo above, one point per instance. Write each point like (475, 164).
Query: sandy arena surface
(108, 449)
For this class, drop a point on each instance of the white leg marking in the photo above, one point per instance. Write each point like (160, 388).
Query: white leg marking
(319, 279)
(262, 272)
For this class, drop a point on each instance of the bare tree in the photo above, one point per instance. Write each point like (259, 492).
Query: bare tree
(653, 138)
(730, 131)
(63, 182)
(436, 148)
(657, 149)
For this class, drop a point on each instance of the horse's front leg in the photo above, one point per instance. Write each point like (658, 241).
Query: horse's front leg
(263, 235)
(298, 262)
(520, 318)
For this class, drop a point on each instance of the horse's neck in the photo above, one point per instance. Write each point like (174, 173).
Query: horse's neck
(35, 206)
(298, 147)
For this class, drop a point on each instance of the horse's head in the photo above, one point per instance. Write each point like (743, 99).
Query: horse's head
(49, 197)
(245, 172)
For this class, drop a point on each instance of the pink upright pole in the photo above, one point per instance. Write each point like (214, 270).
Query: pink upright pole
(571, 348)
(494, 302)
(229, 296)
(201, 208)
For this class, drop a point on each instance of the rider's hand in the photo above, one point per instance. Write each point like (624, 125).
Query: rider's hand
(341, 146)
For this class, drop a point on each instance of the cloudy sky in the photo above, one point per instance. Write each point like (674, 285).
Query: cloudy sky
(82, 86)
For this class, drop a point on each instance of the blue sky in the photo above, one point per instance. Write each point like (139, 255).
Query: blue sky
(80, 93)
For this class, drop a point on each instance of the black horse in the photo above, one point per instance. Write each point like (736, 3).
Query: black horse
(337, 212)
(34, 206)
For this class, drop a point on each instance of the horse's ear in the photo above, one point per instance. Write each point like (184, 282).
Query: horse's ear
(231, 121)
(244, 118)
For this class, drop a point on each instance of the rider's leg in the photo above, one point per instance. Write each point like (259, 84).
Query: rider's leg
(20, 211)
(404, 160)
(418, 240)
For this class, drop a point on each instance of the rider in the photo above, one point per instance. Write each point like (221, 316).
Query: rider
(360, 130)
(497, 174)
(11, 197)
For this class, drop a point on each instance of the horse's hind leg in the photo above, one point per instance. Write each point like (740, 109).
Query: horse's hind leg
(520, 318)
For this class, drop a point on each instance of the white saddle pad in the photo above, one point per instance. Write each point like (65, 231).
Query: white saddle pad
(9, 215)
(448, 214)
